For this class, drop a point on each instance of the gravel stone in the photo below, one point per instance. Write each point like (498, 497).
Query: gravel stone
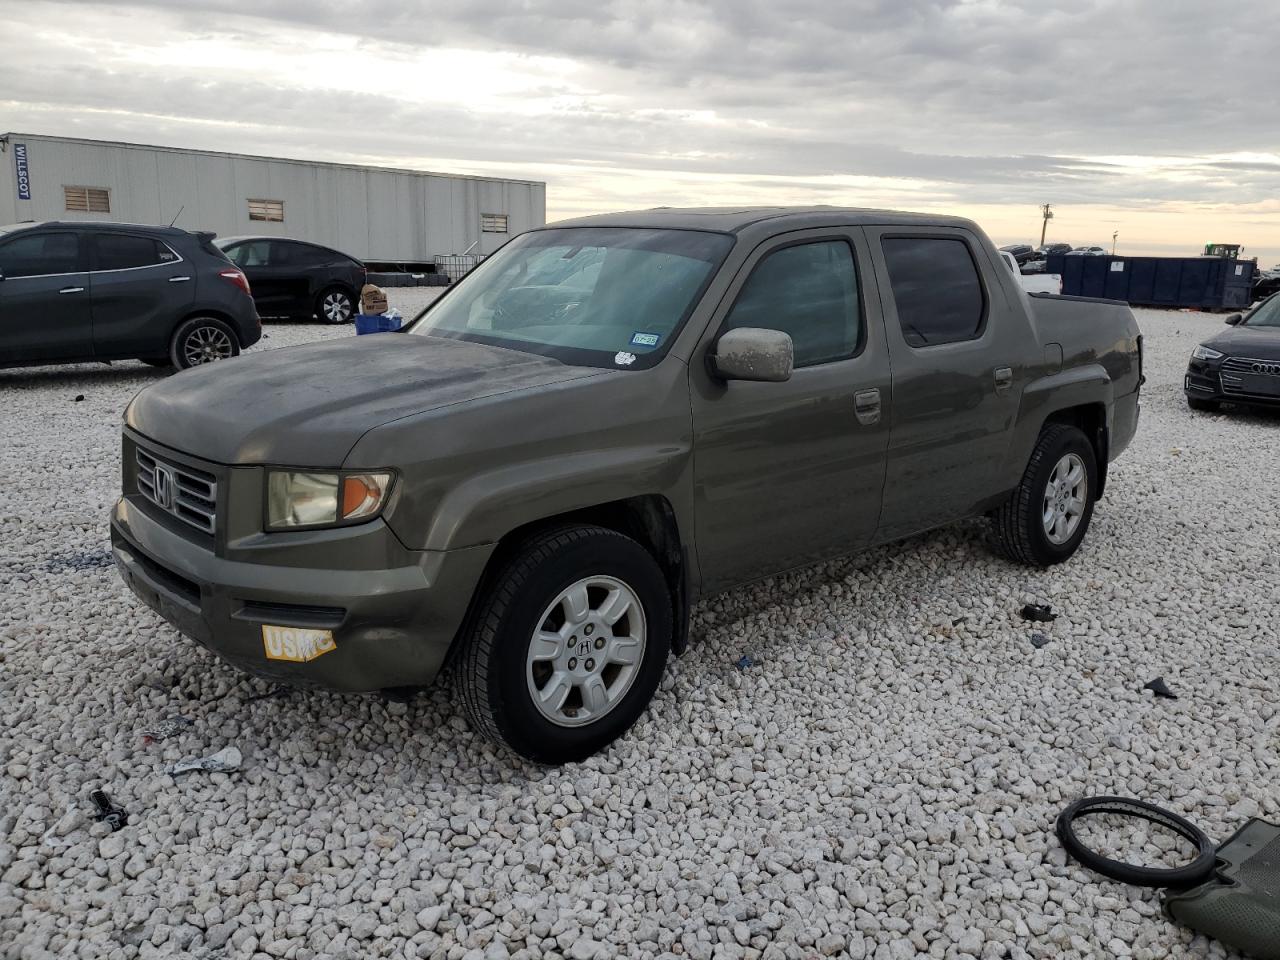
(882, 782)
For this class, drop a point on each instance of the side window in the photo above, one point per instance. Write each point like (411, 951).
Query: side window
(288, 254)
(251, 254)
(936, 289)
(119, 251)
(37, 254)
(809, 291)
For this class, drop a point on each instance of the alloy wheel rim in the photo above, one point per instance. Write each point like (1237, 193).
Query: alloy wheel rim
(1065, 497)
(337, 308)
(586, 651)
(206, 344)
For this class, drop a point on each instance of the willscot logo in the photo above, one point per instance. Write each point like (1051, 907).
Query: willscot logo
(24, 175)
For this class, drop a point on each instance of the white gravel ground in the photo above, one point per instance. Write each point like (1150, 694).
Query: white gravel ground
(883, 784)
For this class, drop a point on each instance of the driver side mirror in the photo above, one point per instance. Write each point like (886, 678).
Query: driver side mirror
(753, 353)
(1232, 320)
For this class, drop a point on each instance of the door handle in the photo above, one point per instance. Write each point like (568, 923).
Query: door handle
(72, 290)
(1004, 378)
(178, 279)
(866, 404)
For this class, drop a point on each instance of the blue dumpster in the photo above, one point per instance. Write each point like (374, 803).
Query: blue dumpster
(1207, 283)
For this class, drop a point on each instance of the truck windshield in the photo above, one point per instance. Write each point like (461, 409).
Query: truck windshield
(601, 296)
(1267, 314)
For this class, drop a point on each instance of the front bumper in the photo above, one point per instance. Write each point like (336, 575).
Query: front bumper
(392, 627)
(1206, 381)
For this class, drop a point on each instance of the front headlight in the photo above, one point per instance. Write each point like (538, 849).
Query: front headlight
(323, 499)
(1204, 353)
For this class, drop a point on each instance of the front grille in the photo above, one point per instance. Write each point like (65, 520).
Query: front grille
(1244, 376)
(189, 495)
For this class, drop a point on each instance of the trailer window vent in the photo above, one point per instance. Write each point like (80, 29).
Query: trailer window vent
(272, 211)
(493, 222)
(87, 199)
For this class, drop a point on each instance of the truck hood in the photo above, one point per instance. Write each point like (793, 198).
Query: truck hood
(1256, 343)
(308, 405)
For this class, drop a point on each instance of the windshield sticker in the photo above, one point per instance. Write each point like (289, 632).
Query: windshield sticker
(624, 359)
(645, 339)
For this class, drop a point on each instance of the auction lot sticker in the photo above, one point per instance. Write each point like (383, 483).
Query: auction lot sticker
(295, 643)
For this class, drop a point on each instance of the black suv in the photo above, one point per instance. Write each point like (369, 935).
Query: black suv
(72, 292)
(291, 278)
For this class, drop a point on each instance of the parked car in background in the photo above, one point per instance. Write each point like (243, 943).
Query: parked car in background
(1087, 252)
(1240, 365)
(73, 292)
(1034, 282)
(292, 278)
(1021, 252)
(604, 421)
(1050, 249)
(1266, 284)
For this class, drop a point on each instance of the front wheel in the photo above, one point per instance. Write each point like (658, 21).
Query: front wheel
(202, 340)
(335, 306)
(1046, 516)
(568, 644)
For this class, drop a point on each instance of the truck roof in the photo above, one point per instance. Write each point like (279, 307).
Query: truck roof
(736, 219)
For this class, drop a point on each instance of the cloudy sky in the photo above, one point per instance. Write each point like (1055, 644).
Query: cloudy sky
(1154, 118)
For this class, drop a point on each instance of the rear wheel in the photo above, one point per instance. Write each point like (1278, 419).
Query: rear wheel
(335, 305)
(1046, 517)
(1207, 406)
(202, 340)
(568, 644)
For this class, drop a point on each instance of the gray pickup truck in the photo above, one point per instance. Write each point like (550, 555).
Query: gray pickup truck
(606, 420)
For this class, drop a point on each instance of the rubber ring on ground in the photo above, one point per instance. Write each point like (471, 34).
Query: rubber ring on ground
(1189, 875)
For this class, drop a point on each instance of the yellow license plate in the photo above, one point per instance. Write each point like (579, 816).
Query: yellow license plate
(296, 643)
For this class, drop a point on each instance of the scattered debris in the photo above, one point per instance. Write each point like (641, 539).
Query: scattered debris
(1160, 688)
(108, 812)
(79, 397)
(1039, 640)
(166, 729)
(224, 761)
(1039, 613)
(746, 661)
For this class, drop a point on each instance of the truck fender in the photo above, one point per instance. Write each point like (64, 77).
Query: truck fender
(1087, 385)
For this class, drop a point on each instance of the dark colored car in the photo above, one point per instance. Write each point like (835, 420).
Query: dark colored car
(293, 278)
(1241, 364)
(73, 292)
(1266, 284)
(1021, 252)
(1051, 249)
(604, 421)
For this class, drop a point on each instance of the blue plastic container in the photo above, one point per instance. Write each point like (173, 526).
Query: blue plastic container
(376, 323)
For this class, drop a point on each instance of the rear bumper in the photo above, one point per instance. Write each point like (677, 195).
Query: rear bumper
(391, 627)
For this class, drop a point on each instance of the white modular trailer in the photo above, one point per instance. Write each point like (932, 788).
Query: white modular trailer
(379, 214)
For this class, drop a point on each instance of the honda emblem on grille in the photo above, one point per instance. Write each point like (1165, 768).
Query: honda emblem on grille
(164, 486)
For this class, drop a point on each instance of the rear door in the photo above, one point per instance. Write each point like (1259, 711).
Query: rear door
(140, 287)
(958, 349)
(787, 473)
(44, 298)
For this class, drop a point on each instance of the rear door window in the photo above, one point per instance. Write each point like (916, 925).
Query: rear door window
(936, 289)
(121, 251)
(41, 254)
(809, 291)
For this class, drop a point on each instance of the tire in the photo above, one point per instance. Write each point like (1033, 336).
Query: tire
(335, 305)
(1206, 406)
(201, 340)
(1021, 532)
(498, 673)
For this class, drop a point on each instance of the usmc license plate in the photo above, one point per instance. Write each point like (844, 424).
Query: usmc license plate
(296, 643)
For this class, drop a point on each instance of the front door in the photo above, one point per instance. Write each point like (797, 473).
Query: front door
(141, 289)
(958, 352)
(270, 293)
(44, 298)
(788, 473)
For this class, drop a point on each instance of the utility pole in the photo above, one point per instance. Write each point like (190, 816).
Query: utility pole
(1113, 242)
(1047, 215)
